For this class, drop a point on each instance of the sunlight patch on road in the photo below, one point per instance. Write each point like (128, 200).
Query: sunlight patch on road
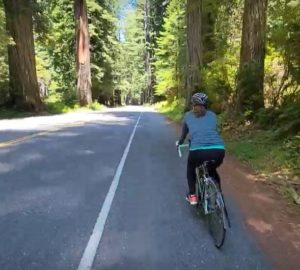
(260, 225)
(85, 152)
(43, 125)
(5, 167)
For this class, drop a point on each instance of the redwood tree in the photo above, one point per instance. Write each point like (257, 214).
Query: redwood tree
(83, 65)
(250, 90)
(24, 90)
(194, 46)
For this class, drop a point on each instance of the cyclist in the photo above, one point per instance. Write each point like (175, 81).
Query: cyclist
(205, 142)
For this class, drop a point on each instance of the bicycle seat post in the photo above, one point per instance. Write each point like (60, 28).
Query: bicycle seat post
(205, 166)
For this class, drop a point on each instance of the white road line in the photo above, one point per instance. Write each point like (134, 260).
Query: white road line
(91, 248)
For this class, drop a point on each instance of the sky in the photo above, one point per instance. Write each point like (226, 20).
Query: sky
(126, 5)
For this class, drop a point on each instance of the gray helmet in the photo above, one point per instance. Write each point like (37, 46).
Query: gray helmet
(199, 98)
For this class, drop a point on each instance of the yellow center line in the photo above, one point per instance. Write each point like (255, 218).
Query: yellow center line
(38, 134)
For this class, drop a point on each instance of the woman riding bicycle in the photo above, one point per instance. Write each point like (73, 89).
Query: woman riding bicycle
(205, 142)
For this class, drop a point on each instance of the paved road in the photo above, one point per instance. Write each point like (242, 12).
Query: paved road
(53, 187)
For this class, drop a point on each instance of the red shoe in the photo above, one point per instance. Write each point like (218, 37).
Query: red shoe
(192, 199)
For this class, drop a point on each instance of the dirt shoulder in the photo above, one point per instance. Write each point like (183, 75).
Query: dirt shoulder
(274, 222)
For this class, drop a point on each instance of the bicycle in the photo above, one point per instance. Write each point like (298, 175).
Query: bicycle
(211, 201)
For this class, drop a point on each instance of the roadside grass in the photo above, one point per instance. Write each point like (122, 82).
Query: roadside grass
(270, 158)
(172, 109)
(11, 114)
(51, 107)
(56, 105)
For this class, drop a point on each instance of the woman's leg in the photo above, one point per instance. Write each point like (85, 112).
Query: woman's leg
(217, 155)
(196, 158)
(191, 174)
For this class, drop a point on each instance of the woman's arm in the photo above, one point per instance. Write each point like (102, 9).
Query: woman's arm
(184, 133)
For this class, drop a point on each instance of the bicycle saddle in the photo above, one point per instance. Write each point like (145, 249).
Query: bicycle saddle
(209, 163)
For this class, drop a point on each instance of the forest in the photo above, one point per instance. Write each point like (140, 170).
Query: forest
(60, 55)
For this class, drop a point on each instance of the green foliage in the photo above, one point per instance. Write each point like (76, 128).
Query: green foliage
(256, 148)
(276, 160)
(284, 121)
(57, 107)
(54, 105)
(12, 114)
(292, 147)
(55, 47)
(288, 121)
(61, 48)
(95, 106)
(215, 83)
(222, 36)
(131, 68)
(170, 52)
(283, 55)
(4, 40)
(157, 13)
(284, 32)
(104, 47)
(249, 78)
(173, 109)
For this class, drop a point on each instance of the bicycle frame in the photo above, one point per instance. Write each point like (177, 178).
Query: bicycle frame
(203, 180)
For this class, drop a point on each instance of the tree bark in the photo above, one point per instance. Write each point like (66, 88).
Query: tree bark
(194, 46)
(24, 90)
(250, 84)
(83, 66)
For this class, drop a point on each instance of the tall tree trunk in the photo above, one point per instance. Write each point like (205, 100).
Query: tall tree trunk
(157, 14)
(148, 69)
(83, 65)
(250, 84)
(24, 90)
(209, 16)
(194, 46)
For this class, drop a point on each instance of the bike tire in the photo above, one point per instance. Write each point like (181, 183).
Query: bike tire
(216, 224)
(217, 228)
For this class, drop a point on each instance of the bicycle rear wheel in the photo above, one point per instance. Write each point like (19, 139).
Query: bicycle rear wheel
(217, 213)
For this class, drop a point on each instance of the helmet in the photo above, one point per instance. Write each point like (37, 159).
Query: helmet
(199, 98)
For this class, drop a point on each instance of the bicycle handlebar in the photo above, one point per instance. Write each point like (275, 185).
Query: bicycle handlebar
(179, 148)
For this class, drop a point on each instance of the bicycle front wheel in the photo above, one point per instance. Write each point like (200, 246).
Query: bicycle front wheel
(216, 215)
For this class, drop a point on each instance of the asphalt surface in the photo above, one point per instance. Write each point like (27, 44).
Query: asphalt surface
(52, 188)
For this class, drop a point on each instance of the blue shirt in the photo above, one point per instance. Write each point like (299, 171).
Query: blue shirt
(203, 131)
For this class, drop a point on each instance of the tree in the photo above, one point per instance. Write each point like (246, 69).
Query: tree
(131, 65)
(283, 54)
(24, 91)
(4, 41)
(154, 11)
(83, 67)
(194, 46)
(250, 95)
(104, 49)
(153, 15)
(170, 54)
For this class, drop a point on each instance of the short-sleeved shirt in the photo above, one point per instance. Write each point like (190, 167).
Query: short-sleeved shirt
(203, 131)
